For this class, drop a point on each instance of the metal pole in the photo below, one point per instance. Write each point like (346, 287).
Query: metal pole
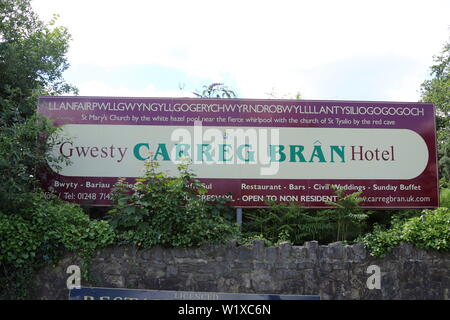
(239, 216)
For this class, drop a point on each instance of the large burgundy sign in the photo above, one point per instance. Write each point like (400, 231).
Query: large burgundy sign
(250, 151)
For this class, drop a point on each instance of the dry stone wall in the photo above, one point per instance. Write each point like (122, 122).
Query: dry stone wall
(334, 271)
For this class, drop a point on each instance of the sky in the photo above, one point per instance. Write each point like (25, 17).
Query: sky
(324, 50)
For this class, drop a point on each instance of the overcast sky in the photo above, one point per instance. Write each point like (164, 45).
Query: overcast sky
(347, 50)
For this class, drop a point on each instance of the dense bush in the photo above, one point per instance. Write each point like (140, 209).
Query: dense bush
(430, 231)
(40, 235)
(445, 198)
(24, 153)
(159, 209)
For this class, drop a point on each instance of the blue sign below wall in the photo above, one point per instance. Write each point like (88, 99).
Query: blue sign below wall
(136, 294)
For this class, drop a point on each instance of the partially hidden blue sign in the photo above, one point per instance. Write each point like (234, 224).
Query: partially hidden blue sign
(136, 294)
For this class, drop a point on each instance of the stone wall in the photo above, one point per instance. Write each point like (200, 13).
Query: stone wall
(335, 271)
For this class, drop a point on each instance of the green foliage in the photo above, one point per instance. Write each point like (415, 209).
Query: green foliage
(384, 217)
(40, 235)
(430, 231)
(293, 223)
(437, 91)
(32, 60)
(347, 216)
(288, 222)
(24, 154)
(381, 241)
(249, 238)
(64, 223)
(444, 198)
(34, 231)
(444, 157)
(443, 183)
(215, 90)
(18, 243)
(163, 210)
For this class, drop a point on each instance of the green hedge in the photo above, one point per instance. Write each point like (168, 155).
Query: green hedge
(429, 231)
(40, 235)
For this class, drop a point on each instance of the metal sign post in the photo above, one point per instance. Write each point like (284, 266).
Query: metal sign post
(239, 217)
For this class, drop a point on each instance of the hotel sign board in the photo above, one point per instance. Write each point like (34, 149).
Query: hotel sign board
(249, 150)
